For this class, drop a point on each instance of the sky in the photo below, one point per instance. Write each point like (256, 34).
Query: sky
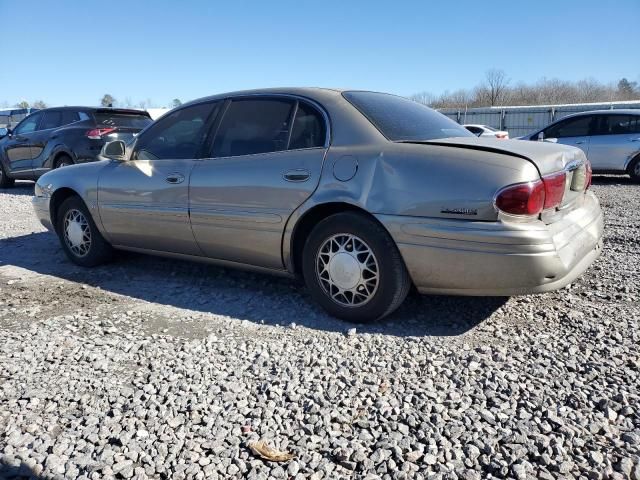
(73, 52)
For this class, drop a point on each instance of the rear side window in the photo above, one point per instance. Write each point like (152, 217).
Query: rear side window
(69, 116)
(308, 129)
(474, 130)
(52, 119)
(619, 125)
(252, 126)
(108, 119)
(400, 119)
(177, 135)
(573, 127)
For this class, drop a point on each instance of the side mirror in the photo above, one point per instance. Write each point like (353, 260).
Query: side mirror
(540, 136)
(114, 150)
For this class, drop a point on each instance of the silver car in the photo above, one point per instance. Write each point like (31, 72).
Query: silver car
(361, 194)
(609, 138)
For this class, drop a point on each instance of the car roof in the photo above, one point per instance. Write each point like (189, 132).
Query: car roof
(620, 111)
(314, 93)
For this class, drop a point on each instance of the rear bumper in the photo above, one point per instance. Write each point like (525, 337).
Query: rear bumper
(498, 258)
(41, 209)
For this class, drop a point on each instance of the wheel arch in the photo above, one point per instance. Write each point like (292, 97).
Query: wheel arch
(310, 218)
(59, 196)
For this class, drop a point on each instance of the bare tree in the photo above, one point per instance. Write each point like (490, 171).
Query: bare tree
(22, 104)
(107, 100)
(496, 83)
(425, 98)
(175, 103)
(39, 104)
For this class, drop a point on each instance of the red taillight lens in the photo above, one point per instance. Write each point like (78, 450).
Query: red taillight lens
(98, 133)
(522, 198)
(502, 136)
(554, 186)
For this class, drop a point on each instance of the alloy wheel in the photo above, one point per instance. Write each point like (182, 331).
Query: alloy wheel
(347, 270)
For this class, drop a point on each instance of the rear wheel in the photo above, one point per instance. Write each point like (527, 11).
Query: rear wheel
(634, 169)
(353, 268)
(5, 181)
(79, 236)
(63, 161)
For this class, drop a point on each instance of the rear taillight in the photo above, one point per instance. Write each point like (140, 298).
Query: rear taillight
(502, 136)
(554, 186)
(98, 133)
(522, 198)
(532, 197)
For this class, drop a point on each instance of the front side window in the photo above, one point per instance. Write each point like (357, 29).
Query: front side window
(572, 127)
(178, 135)
(401, 119)
(29, 124)
(52, 119)
(252, 126)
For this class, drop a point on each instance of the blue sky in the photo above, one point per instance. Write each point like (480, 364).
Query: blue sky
(72, 52)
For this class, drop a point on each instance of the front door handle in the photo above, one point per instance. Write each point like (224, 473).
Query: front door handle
(580, 142)
(174, 178)
(635, 139)
(300, 175)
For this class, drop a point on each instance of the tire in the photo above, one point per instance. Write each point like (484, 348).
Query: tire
(345, 284)
(63, 161)
(83, 244)
(5, 181)
(634, 169)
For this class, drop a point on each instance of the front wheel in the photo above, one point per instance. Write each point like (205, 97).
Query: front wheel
(353, 268)
(79, 236)
(5, 181)
(634, 169)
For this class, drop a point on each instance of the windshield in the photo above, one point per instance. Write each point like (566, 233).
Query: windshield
(122, 120)
(400, 119)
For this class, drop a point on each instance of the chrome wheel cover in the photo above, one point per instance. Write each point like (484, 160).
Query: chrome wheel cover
(77, 232)
(347, 270)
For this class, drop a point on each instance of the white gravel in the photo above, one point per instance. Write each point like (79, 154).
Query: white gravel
(150, 368)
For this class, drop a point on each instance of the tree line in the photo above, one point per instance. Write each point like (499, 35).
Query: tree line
(106, 100)
(496, 89)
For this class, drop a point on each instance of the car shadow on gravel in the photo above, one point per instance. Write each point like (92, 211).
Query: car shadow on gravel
(262, 299)
(21, 472)
(612, 180)
(20, 188)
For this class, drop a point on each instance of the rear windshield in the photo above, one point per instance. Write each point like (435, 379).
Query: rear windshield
(122, 120)
(401, 119)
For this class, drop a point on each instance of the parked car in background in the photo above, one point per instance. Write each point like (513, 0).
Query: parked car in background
(362, 194)
(10, 117)
(609, 138)
(486, 131)
(57, 137)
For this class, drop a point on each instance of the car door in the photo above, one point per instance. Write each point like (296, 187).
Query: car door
(51, 120)
(574, 131)
(265, 161)
(144, 202)
(17, 148)
(615, 141)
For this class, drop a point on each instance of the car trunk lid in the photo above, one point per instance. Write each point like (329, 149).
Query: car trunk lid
(549, 158)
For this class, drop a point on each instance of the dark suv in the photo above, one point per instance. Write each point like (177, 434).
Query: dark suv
(55, 137)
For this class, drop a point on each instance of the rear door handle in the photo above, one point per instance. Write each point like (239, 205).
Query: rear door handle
(300, 175)
(635, 139)
(580, 142)
(174, 178)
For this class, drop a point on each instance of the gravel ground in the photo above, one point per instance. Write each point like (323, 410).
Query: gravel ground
(151, 368)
